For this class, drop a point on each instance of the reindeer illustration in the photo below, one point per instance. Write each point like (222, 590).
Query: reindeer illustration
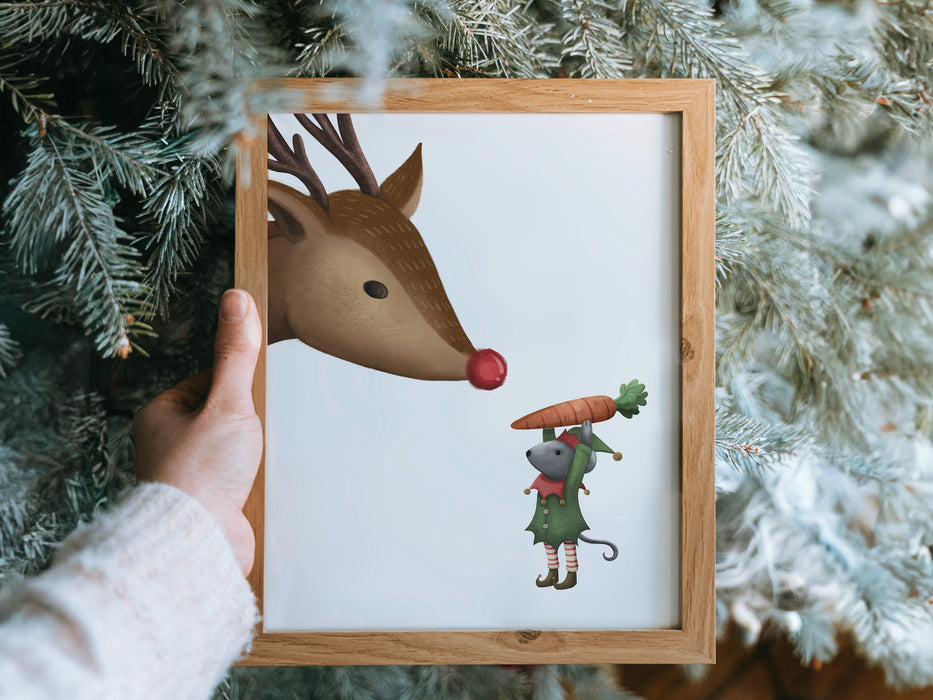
(349, 273)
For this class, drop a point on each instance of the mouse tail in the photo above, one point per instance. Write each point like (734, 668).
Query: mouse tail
(615, 550)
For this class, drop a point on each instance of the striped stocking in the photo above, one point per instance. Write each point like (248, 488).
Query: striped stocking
(570, 551)
(551, 556)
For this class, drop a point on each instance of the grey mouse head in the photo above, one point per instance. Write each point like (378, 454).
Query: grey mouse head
(553, 457)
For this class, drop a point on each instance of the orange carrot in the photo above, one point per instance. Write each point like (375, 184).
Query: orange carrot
(592, 408)
(573, 412)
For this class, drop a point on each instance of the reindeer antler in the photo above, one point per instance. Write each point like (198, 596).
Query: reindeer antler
(295, 163)
(345, 147)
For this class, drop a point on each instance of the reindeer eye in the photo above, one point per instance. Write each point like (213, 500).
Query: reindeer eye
(377, 290)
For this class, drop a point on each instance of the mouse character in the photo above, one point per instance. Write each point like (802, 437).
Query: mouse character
(562, 461)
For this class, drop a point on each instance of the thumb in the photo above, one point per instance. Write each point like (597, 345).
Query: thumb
(236, 348)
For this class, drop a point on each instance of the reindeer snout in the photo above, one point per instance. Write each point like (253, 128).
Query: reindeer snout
(486, 369)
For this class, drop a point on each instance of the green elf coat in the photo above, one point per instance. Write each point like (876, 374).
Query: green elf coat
(555, 523)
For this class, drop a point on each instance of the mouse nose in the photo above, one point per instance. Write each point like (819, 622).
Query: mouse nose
(528, 453)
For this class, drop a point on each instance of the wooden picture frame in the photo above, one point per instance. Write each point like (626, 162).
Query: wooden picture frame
(694, 641)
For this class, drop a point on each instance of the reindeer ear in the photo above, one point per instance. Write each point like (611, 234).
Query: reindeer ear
(403, 187)
(296, 215)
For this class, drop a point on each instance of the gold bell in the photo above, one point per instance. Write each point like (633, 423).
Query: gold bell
(527, 491)
(543, 501)
(563, 502)
(586, 492)
(617, 456)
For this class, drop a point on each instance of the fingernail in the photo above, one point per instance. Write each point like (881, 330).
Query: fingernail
(234, 305)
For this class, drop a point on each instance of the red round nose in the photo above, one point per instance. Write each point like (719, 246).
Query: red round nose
(486, 369)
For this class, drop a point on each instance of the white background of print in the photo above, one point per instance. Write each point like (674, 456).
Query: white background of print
(394, 503)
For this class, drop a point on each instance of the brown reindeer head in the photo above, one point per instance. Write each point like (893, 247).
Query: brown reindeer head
(349, 273)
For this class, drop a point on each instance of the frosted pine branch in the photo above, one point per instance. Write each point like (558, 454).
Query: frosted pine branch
(591, 42)
(756, 157)
(904, 39)
(10, 352)
(752, 446)
(26, 93)
(824, 317)
(130, 159)
(32, 21)
(220, 46)
(62, 223)
(496, 38)
(322, 52)
(133, 26)
(176, 216)
(368, 36)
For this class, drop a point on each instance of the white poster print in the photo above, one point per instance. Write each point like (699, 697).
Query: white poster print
(397, 503)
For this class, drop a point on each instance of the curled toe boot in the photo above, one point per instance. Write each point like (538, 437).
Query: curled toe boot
(568, 582)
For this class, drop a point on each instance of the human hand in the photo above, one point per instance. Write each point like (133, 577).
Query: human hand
(203, 435)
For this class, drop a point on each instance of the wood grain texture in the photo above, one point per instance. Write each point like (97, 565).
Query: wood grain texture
(474, 647)
(698, 366)
(251, 274)
(694, 101)
(432, 95)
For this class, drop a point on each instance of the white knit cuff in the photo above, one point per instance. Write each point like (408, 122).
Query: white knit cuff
(158, 588)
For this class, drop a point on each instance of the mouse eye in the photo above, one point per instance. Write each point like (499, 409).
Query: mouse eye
(377, 290)
(557, 452)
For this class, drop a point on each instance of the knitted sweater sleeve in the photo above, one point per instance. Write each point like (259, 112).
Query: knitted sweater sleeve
(147, 601)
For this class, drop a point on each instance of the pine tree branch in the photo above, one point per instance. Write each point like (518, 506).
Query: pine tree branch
(904, 39)
(323, 52)
(10, 351)
(98, 21)
(823, 324)
(176, 215)
(87, 244)
(221, 48)
(139, 43)
(496, 37)
(30, 21)
(368, 38)
(752, 446)
(594, 37)
(755, 156)
(288, 21)
(132, 159)
(60, 220)
(26, 93)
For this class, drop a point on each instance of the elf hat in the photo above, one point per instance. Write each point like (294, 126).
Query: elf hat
(598, 445)
(568, 439)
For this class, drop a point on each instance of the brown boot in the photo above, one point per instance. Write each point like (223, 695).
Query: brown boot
(568, 582)
(549, 580)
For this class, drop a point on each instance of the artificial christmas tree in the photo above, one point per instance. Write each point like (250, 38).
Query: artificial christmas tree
(117, 240)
